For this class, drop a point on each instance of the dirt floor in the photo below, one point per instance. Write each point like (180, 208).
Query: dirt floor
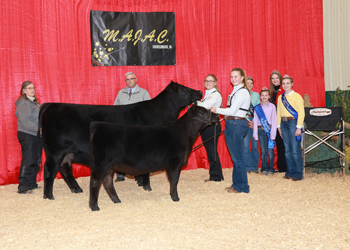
(276, 214)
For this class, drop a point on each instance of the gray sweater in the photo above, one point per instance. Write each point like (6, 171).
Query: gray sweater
(139, 95)
(27, 113)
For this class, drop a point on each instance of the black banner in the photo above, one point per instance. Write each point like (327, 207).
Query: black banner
(132, 38)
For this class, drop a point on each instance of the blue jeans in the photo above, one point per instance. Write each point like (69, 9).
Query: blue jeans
(251, 155)
(292, 148)
(235, 130)
(264, 151)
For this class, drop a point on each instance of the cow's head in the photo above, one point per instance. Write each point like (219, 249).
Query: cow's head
(203, 115)
(188, 94)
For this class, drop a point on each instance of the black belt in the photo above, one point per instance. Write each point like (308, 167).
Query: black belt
(235, 118)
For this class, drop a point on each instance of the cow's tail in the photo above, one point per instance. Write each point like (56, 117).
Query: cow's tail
(92, 128)
(39, 136)
(92, 132)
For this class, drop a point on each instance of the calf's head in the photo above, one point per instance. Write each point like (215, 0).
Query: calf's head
(203, 115)
(187, 94)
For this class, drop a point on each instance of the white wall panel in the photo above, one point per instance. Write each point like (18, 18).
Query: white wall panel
(336, 33)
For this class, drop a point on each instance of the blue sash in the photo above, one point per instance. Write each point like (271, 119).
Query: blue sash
(265, 124)
(292, 111)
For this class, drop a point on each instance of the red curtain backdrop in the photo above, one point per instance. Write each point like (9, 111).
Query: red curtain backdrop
(48, 42)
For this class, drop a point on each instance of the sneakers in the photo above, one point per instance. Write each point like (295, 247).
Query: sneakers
(264, 172)
(269, 173)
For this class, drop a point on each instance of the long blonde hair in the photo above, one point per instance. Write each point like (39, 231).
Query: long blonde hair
(242, 73)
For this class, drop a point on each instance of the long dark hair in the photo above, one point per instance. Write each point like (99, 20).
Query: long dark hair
(23, 95)
(272, 87)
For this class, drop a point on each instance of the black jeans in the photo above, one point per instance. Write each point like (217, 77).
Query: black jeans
(215, 170)
(30, 161)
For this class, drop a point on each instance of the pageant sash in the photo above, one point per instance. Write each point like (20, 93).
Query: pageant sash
(265, 124)
(292, 111)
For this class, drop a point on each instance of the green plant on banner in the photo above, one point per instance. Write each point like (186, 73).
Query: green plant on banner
(341, 98)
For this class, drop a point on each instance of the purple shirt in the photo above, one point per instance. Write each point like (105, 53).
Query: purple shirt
(271, 116)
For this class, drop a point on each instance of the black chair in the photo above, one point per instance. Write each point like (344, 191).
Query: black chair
(328, 120)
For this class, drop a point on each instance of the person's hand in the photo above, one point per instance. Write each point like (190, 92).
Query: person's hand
(298, 132)
(213, 109)
(250, 124)
(279, 131)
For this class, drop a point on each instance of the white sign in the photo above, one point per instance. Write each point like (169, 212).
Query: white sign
(320, 112)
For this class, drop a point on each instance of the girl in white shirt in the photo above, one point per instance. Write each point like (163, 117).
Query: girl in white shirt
(236, 127)
(212, 98)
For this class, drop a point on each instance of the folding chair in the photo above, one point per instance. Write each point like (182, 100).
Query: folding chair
(327, 120)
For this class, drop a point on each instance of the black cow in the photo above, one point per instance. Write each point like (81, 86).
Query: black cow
(66, 128)
(139, 150)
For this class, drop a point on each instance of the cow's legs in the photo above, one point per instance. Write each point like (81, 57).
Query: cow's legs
(173, 177)
(50, 171)
(146, 182)
(68, 177)
(108, 185)
(95, 184)
(139, 180)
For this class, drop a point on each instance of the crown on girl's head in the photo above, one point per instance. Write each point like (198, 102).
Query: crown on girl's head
(286, 76)
(264, 88)
(249, 78)
(275, 72)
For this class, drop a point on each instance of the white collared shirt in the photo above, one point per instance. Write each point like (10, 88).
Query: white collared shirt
(212, 98)
(240, 100)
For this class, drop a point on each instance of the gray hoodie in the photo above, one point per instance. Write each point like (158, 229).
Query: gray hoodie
(27, 113)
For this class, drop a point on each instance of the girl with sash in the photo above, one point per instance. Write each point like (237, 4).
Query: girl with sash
(265, 127)
(275, 92)
(212, 98)
(236, 127)
(290, 119)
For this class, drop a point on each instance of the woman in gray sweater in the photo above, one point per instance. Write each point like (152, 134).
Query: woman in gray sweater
(27, 112)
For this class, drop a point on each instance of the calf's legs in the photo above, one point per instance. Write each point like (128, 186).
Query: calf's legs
(99, 174)
(95, 184)
(173, 177)
(109, 187)
(50, 171)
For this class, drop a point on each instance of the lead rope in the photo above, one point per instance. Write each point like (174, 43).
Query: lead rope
(215, 149)
(208, 139)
